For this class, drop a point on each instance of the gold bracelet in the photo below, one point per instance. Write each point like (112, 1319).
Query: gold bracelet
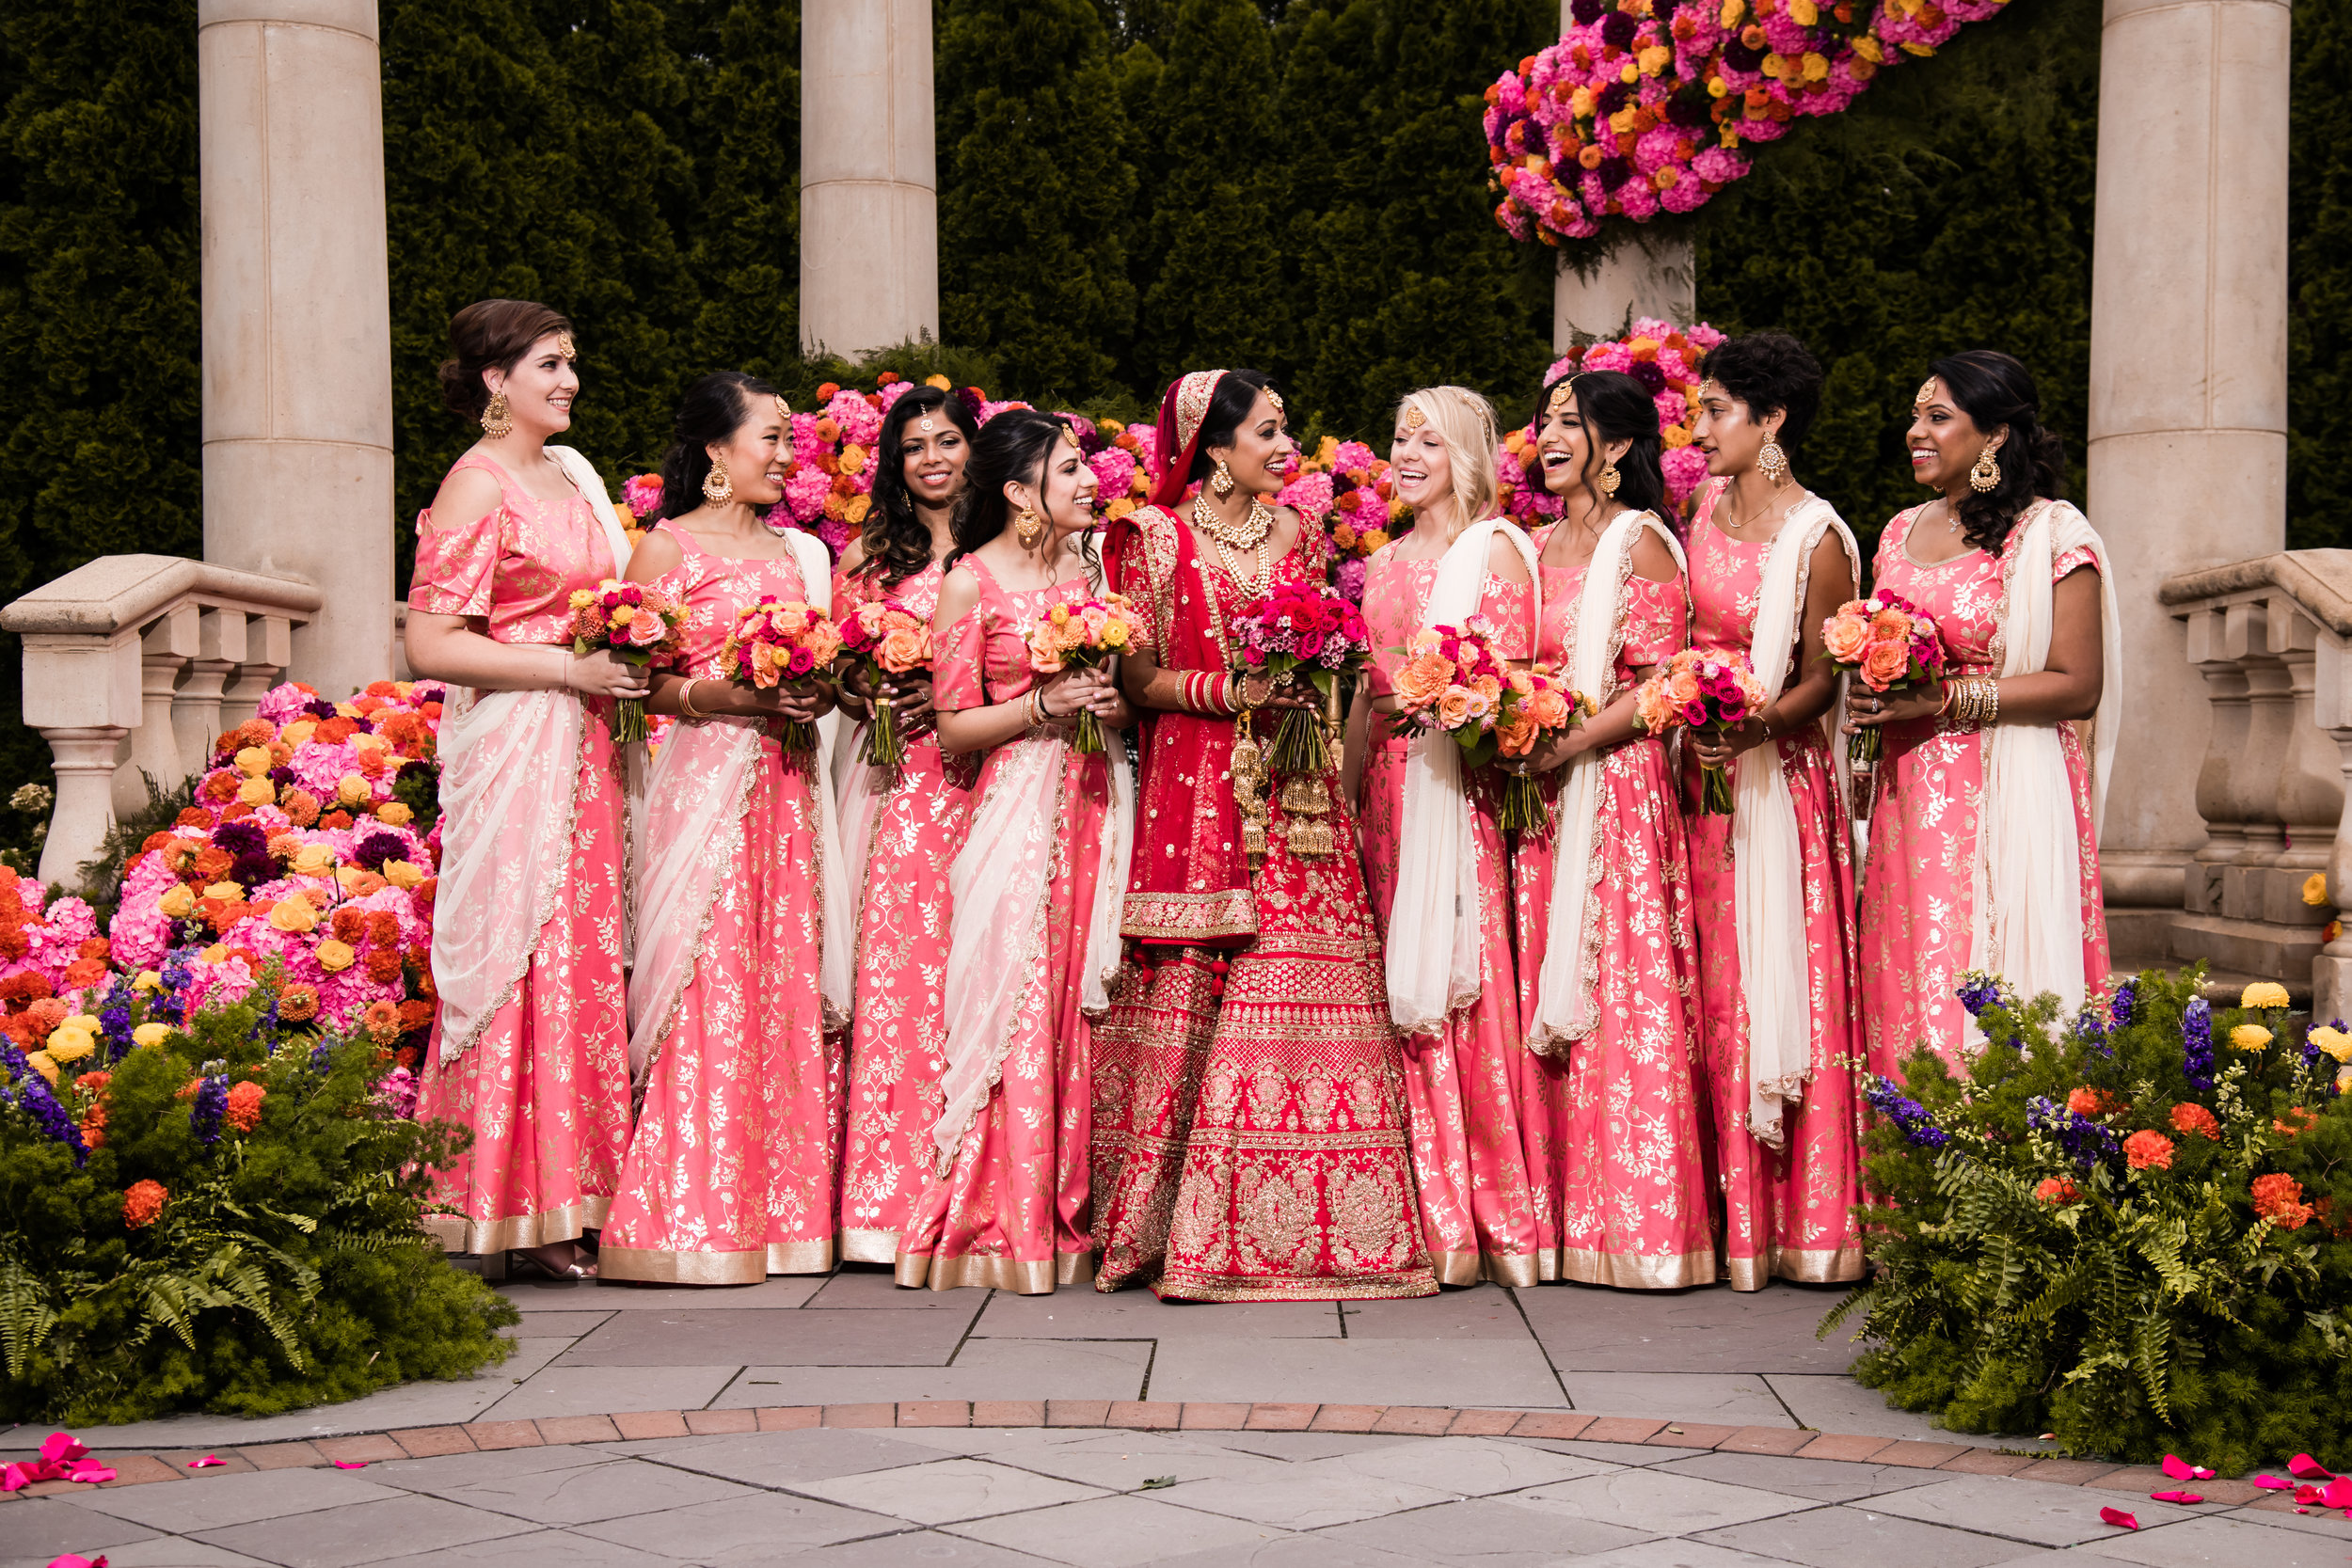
(1037, 708)
(686, 709)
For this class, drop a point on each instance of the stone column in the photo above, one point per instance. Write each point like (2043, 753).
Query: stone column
(2188, 422)
(1627, 270)
(297, 317)
(869, 183)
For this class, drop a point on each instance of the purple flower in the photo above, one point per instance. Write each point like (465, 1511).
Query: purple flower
(241, 838)
(1909, 1116)
(211, 1102)
(1977, 991)
(2086, 1142)
(2126, 998)
(32, 1093)
(2197, 1043)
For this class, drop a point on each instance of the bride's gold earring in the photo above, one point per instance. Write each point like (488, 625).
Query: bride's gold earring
(1028, 527)
(496, 420)
(1222, 481)
(718, 489)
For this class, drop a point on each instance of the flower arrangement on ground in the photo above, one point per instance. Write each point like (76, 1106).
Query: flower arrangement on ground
(2132, 1227)
(889, 640)
(636, 624)
(1538, 709)
(1302, 633)
(1084, 636)
(1662, 356)
(207, 1202)
(1701, 690)
(1644, 107)
(1889, 644)
(312, 843)
(781, 642)
(1452, 684)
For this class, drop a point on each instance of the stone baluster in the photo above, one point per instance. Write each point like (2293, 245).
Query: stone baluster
(2227, 695)
(2254, 777)
(196, 714)
(82, 694)
(165, 649)
(2311, 780)
(2332, 711)
(269, 648)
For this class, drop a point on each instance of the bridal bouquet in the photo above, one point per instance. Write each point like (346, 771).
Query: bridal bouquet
(1452, 685)
(779, 641)
(1083, 635)
(1701, 690)
(1302, 632)
(1537, 708)
(887, 639)
(1888, 644)
(636, 624)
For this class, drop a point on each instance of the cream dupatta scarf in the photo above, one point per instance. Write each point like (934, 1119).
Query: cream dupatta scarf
(1565, 1006)
(703, 780)
(2026, 890)
(1768, 856)
(1434, 969)
(999, 892)
(509, 781)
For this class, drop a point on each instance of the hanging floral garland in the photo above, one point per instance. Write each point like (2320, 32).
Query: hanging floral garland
(1644, 105)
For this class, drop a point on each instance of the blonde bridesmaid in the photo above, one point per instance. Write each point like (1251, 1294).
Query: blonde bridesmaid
(741, 953)
(529, 1051)
(1604, 926)
(1984, 849)
(1433, 855)
(902, 828)
(1773, 882)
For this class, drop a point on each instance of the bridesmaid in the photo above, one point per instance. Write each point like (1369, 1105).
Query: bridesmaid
(1035, 889)
(901, 830)
(1605, 992)
(529, 1051)
(1434, 858)
(1773, 882)
(732, 1174)
(1984, 782)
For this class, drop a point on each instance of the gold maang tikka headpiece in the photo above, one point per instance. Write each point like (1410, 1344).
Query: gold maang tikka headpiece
(1069, 436)
(1560, 396)
(1414, 418)
(1924, 396)
(565, 346)
(1276, 398)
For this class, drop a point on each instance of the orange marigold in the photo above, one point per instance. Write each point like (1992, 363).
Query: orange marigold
(245, 1106)
(142, 1203)
(2093, 1102)
(2057, 1190)
(2279, 1198)
(2148, 1148)
(2298, 1119)
(382, 1022)
(2188, 1117)
(415, 1015)
(299, 1001)
(93, 947)
(383, 965)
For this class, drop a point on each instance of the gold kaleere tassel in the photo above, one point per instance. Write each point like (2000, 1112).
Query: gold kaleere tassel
(1307, 803)
(1249, 786)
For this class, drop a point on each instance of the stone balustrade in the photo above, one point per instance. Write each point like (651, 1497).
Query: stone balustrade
(2271, 638)
(134, 664)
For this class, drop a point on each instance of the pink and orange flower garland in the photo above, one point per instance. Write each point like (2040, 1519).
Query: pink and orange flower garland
(1644, 105)
(1701, 690)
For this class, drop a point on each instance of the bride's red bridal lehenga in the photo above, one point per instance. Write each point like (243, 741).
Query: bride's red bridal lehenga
(1250, 1145)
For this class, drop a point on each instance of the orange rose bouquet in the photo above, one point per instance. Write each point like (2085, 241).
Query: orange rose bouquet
(1083, 635)
(1452, 684)
(888, 640)
(1537, 708)
(1701, 690)
(1888, 644)
(780, 641)
(636, 624)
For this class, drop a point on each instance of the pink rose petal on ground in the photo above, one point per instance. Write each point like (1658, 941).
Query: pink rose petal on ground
(70, 1561)
(350, 1463)
(2338, 1492)
(2304, 1467)
(2273, 1483)
(63, 1447)
(90, 1472)
(2117, 1517)
(2175, 1497)
(2307, 1493)
(206, 1463)
(2177, 1468)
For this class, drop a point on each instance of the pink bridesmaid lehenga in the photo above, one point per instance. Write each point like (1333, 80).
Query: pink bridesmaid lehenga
(1612, 1119)
(1787, 1211)
(1462, 1089)
(901, 830)
(529, 1051)
(1919, 888)
(1035, 893)
(733, 1174)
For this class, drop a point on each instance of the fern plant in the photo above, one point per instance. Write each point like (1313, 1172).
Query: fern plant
(2132, 1227)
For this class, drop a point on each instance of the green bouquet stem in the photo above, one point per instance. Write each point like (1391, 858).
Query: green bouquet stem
(1714, 791)
(629, 720)
(1298, 743)
(1523, 804)
(1089, 740)
(884, 746)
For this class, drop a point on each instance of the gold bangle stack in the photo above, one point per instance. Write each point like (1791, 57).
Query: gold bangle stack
(686, 709)
(1973, 701)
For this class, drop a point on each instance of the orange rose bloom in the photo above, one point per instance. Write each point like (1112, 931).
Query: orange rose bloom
(1843, 638)
(1884, 663)
(1454, 708)
(902, 651)
(1682, 686)
(1548, 707)
(1517, 738)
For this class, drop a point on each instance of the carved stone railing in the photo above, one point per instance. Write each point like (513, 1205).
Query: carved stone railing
(2272, 638)
(134, 664)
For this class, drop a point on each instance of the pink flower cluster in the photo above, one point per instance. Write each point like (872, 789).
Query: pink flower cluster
(1885, 641)
(1644, 105)
(1299, 624)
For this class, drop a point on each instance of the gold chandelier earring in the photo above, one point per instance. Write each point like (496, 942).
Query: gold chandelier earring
(1986, 475)
(718, 489)
(497, 418)
(1609, 481)
(1773, 462)
(1028, 527)
(1222, 479)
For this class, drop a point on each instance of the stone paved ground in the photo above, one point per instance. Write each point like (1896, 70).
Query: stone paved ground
(1730, 1372)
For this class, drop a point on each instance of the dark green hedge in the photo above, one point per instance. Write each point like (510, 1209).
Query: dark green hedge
(1127, 189)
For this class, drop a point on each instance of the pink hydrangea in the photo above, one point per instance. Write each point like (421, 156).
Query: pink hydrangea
(893, 393)
(805, 491)
(1114, 471)
(1310, 495)
(1608, 354)
(1349, 578)
(283, 704)
(1350, 457)
(1686, 470)
(1673, 407)
(859, 420)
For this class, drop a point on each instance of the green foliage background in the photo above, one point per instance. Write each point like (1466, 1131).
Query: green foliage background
(1127, 188)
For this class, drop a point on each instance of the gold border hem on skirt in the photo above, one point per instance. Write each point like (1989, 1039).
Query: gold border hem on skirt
(1027, 1278)
(1800, 1266)
(1627, 1270)
(1191, 1284)
(1471, 1268)
(457, 1233)
(869, 1246)
(749, 1266)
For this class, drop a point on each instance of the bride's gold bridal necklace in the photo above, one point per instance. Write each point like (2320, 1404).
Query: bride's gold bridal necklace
(1249, 534)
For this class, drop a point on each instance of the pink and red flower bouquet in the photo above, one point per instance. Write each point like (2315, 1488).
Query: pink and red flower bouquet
(1888, 644)
(1701, 690)
(1084, 636)
(1452, 684)
(637, 624)
(887, 639)
(1538, 709)
(1301, 632)
(778, 642)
